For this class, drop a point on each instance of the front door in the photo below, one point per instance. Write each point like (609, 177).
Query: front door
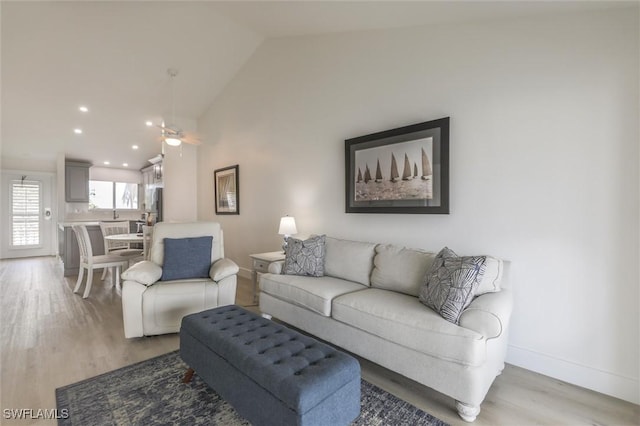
(27, 215)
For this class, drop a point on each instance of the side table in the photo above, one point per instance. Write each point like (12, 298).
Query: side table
(260, 264)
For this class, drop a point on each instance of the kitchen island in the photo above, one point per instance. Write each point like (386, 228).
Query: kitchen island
(68, 244)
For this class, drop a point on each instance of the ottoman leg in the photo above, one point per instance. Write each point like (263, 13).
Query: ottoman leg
(188, 376)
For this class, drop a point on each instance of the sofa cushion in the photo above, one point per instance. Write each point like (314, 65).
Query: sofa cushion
(312, 293)
(186, 258)
(166, 302)
(402, 319)
(305, 257)
(400, 269)
(451, 283)
(492, 277)
(349, 260)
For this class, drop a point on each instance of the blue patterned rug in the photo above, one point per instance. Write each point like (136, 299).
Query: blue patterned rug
(152, 393)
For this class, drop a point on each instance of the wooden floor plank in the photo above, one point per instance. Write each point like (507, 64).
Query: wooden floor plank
(51, 337)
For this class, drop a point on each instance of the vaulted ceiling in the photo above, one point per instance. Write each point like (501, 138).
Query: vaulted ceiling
(112, 57)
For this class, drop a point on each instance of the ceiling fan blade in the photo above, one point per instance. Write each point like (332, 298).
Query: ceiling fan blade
(191, 140)
(171, 127)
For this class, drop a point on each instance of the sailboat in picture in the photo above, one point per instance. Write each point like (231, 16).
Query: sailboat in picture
(367, 174)
(406, 172)
(359, 178)
(427, 172)
(378, 172)
(415, 170)
(395, 176)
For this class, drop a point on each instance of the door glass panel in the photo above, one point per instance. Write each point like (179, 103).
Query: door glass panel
(25, 212)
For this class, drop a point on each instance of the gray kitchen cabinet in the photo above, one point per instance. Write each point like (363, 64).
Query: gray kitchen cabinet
(76, 181)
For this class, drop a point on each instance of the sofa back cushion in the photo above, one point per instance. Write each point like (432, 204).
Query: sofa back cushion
(349, 260)
(400, 269)
(492, 276)
(164, 230)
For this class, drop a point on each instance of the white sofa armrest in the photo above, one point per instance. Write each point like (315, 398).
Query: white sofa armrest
(132, 308)
(488, 314)
(145, 272)
(276, 267)
(223, 268)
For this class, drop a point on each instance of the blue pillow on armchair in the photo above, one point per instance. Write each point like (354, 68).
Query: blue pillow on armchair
(186, 258)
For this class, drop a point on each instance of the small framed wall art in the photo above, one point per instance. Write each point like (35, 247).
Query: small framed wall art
(227, 190)
(403, 170)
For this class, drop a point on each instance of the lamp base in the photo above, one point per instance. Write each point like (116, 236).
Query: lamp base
(284, 243)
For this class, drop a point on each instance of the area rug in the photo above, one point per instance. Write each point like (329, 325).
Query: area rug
(152, 393)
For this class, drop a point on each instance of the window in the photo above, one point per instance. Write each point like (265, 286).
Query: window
(25, 212)
(100, 195)
(113, 195)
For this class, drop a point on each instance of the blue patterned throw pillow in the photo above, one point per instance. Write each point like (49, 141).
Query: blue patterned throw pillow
(304, 257)
(451, 282)
(186, 258)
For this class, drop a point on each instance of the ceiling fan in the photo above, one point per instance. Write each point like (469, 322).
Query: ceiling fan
(171, 133)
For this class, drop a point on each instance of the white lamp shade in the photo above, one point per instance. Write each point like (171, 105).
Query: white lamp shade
(287, 226)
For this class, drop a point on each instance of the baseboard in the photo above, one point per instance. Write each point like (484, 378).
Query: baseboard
(245, 273)
(626, 388)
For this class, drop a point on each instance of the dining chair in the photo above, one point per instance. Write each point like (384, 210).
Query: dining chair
(90, 262)
(116, 247)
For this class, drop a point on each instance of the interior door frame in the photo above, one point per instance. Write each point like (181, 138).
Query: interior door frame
(49, 201)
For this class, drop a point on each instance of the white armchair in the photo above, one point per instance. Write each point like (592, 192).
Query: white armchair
(152, 305)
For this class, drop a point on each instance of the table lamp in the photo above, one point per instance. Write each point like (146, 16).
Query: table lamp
(287, 228)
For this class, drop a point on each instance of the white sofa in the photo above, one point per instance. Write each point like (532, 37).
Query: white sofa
(152, 306)
(367, 303)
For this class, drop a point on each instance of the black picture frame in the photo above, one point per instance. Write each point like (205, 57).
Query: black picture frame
(227, 190)
(377, 181)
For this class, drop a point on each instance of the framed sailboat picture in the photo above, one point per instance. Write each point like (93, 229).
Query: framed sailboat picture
(403, 170)
(227, 190)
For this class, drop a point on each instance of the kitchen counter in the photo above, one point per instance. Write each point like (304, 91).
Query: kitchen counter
(78, 222)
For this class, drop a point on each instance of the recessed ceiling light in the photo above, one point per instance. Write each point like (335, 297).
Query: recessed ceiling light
(125, 165)
(83, 108)
(106, 163)
(77, 131)
(149, 123)
(134, 146)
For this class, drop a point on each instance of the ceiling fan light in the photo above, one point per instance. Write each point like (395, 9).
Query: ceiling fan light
(173, 141)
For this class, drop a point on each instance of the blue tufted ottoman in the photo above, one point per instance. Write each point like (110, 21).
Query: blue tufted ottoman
(272, 375)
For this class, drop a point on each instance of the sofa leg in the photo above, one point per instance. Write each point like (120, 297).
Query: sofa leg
(188, 375)
(467, 412)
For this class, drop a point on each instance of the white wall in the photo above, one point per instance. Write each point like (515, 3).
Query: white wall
(544, 165)
(179, 168)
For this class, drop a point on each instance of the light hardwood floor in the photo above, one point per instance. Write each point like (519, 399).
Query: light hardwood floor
(51, 337)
